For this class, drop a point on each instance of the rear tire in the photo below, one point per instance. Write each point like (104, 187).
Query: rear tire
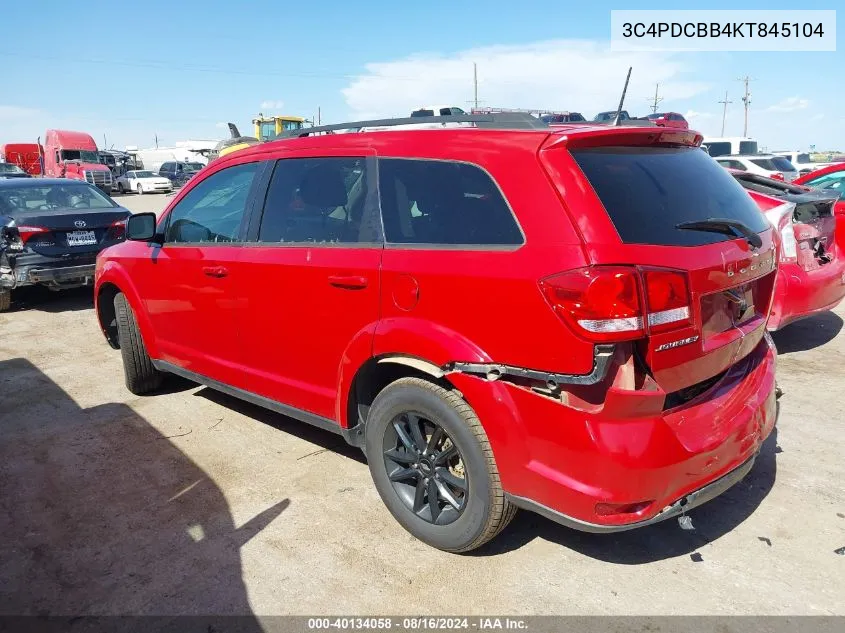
(469, 477)
(141, 376)
(5, 300)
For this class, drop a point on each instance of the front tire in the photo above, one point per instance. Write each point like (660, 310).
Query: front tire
(120, 188)
(141, 376)
(432, 464)
(140, 189)
(5, 300)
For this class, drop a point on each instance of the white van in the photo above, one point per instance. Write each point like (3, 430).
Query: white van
(730, 146)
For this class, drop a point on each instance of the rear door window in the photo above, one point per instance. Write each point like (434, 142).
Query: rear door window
(443, 203)
(648, 191)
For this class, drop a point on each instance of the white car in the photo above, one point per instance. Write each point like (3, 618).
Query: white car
(776, 167)
(143, 182)
(802, 161)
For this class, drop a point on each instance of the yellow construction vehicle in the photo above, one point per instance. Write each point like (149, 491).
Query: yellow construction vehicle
(269, 127)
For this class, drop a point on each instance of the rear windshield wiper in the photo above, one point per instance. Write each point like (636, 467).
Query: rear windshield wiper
(724, 226)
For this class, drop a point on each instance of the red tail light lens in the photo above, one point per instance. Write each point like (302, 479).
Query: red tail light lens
(27, 232)
(604, 304)
(776, 176)
(117, 230)
(601, 302)
(668, 299)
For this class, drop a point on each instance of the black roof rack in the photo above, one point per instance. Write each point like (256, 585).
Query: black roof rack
(497, 121)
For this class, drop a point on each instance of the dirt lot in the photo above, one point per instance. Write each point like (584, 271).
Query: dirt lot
(194, 502)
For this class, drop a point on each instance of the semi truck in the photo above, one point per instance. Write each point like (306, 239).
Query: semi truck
(75, 155)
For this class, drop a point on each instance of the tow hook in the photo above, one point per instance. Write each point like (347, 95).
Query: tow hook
(685, 521)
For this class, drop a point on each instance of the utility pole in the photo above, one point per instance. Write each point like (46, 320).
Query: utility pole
(156, 141)
(746, 99)
(319, 119)
(656, 99)
(475, 84)
(725, 111)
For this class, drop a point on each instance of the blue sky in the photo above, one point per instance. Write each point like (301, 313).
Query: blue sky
(181, 70)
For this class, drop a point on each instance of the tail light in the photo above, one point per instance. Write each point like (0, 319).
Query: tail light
(619, 303)
(26, 232)
(777, 176)
(117, 230)
(781, 218)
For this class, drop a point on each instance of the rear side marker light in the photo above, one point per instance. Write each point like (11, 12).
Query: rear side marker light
(619, 303)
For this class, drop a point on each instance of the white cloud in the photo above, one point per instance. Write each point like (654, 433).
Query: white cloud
(817, 117)
(692, 114)
(790, 104)
(576, 75)
(222, 125)
(272, 105)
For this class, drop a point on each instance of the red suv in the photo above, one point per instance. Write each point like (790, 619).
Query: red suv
(569, 320)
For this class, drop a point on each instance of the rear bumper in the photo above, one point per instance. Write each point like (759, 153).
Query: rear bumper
(563, 461)
(44, 270)
(800, 293)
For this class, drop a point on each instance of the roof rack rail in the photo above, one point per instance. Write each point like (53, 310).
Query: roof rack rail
(497, 121)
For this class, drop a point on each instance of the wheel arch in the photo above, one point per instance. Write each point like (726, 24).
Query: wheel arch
(112, 280)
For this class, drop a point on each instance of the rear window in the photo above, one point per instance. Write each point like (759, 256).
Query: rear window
(803, 159)
(443, 203)
(747, 147)
(417, 113)
(647, 191)
(776, 163)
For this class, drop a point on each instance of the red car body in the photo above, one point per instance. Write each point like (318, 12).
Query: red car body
(669, 119)
(303, 325)
(27, 156)
(811, 271)
(830, 178)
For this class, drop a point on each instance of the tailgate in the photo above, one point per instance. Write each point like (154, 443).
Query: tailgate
(674, 208)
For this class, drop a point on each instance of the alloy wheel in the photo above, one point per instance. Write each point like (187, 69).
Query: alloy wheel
(425, 468)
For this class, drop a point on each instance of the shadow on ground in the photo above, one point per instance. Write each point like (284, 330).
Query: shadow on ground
(101, 514)
(662, 540)
(40, 298)
(329, 441)
(808, 334)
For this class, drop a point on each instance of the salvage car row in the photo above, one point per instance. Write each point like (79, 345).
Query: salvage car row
(566, 319)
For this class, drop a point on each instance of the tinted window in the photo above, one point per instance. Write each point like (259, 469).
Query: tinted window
(647, 191)
(417, 113)
(440, 202)
(803, 159)
(212, 211)
(720, 148)
(777, 163)
(68, 195)
(320, 201)
(575, 116)
(747, 147)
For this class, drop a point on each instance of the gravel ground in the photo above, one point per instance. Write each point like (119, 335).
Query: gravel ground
(193, 502)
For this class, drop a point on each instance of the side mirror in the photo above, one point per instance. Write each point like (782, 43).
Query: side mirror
(141, 227)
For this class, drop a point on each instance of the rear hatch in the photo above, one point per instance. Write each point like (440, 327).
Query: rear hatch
(703, 253)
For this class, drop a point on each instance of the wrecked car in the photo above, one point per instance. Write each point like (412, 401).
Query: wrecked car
(811, 271)
(51, 231)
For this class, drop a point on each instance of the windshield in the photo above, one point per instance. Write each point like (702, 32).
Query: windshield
(747, 147)
(141, 174)
(648, 191)
(82, 155)
(719, 148)
(8, 168)
(49, 197)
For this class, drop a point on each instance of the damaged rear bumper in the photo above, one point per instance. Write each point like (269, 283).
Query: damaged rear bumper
(52, 276)
(800, 294)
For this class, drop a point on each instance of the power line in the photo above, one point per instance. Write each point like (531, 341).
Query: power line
(725, 111)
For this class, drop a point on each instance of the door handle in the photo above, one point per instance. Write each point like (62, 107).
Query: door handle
(215, 271)
(350, 282)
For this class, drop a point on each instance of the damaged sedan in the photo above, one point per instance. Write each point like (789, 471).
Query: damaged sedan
(51, 231)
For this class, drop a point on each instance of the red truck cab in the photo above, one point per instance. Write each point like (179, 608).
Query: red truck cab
(74, 155)
(27, 156)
